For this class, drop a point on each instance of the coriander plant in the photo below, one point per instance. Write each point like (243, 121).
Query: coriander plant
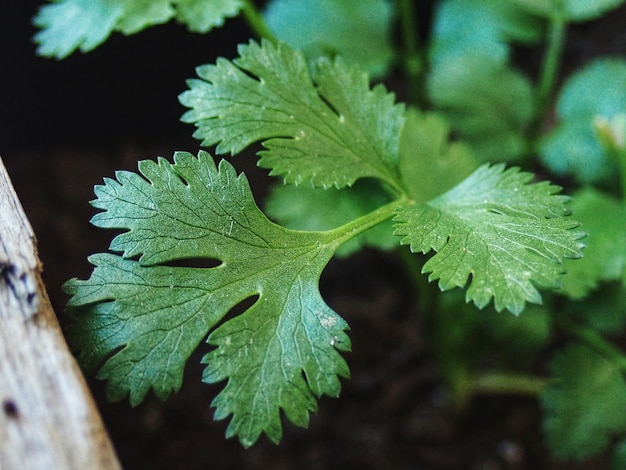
(439, 175)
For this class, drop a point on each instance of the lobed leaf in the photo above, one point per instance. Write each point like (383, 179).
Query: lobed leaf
(495, 227)
(604, 218)
(487, 103)
(426, 149)
(140, 315)
(463, 26)
(569, 10)
(336, 27)
(585, 404)
(604, 310)
(330, 128)
(69, 25)
(74, 24)
(201, 16)
(573, 147)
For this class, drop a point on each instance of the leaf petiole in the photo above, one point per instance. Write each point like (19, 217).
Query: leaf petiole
(549, 69)
(501, 383)
(255, 21)
(413, 60)
(357, 226)
(594, 340)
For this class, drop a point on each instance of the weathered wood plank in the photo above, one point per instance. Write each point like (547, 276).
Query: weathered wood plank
(48, 419)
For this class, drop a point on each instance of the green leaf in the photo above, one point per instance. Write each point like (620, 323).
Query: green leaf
(336, 27)
(302, 208)
(487, 103)
(463, 26)
(604, 218)
(141, 315)
(425, 149)
(585, 404)
(505, 233)
(201, 16)
(140, 14)
(68, 25)
(569, 10)
(604, 310)
(330, 129)
(573, 147)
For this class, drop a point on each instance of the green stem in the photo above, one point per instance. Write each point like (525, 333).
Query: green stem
(622, 165)
(413, 62)
(255, 20)
(507, 383)
(594, 340)
(346, 232)
(549, 70)
(464, 387)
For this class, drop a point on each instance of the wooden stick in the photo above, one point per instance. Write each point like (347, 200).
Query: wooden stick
(48, 419)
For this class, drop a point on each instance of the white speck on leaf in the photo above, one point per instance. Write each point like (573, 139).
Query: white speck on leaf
(328, 322)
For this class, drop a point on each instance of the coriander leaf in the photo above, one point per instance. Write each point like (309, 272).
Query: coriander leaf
(329, 128)
(585, 404)
(425, 149)
(597, 91)
(201, 16)
(583, 10)
(302, 208)
(604, 310)
(67, 25)
(505, 233)
(604, 218)
(569, 10)
(463, 26)
(336, 27)
(139, 14)
(486, 102)
(141, 315)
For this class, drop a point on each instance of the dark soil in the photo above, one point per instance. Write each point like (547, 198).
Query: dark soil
(65, 125)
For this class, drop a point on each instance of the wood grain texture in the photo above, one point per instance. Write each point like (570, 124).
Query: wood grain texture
(48, 419)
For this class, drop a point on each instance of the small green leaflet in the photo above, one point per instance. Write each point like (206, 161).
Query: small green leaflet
(585, 404)
(497, 228)
(337, 27)
(68, 25)
(573, 147)
(604, 218)
(426, 149)
(201, 16)
(74, 24)
(462, 27)
(486, 102)
(330, 128)
(604, 310)
(142, 316)
(568, 10)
